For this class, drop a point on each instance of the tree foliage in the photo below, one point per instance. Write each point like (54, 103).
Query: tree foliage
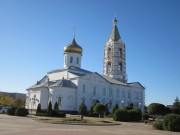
(6, 100)
(100, 108)
(49, 107)
(38, 108)
(56, 107)
(19, 102)
(83, 109)
(115, 108)
(156, 109)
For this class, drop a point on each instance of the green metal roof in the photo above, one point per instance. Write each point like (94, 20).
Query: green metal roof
(115, 36)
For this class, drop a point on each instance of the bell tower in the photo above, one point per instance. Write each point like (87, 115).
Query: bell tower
(115, 56)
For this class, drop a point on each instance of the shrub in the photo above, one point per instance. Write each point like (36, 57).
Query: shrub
(145, 116)
(38, 108)
(172, 122)
(94, 114)
(115, 108)
(158, 125)
(56, 107)
(83, 109)
(41, 114)
(49, 107)
(21, 112)
(134, 115)
(56, 113)
(11, 111)
(120, 115)
(128, 108)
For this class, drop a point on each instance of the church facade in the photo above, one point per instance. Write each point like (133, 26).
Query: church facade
(72, 85)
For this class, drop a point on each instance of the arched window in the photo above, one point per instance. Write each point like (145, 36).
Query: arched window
(104, 91)
(108, 67)
(94, 91)
(120, 52)
(71, 59)
(120, 67)
(59, 101)
(109, 52)
(77, 60)
(65, 59)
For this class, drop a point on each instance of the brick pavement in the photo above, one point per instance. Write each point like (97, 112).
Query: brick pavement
(12, 125)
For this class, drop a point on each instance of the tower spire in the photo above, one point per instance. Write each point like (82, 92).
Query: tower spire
(114, 56)
(115, 36)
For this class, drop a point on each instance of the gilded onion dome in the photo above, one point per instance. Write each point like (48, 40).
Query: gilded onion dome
(73, 47)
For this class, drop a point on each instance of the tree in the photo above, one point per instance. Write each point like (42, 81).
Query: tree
(115, 108)
(176, 106)
(156, 109)
(38, 108)
(83, 109)
(6, 100)
(176, 103)
(56, 107)
(94, 103)
(19, 102)
(49, 108)
(107, 109)
(100, 108)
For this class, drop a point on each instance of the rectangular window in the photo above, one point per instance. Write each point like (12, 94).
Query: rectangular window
(84, 89)
(117, 92)
(104, 91)
(129, 94)
(94, 91)
(123, 94)
(110, 93)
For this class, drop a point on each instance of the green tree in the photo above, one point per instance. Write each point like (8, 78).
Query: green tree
(100, 108)
(92, 107)
(176, 103)
(56, 107)
(19, 102)
(115, 108)
(38, 110)
(176, 106)
(6, 100)
(83, 109)
(49, 108)
(156, 109)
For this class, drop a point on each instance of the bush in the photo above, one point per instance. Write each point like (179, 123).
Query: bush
(83, 109)
(172, 122)
(115, 108)
(21, 112)
(94, 114)
(120, 115)
(38, 108)
(11, 111)
(41, 114)
(56, 113)
(145, 116)
(134, 115)
(158, 125)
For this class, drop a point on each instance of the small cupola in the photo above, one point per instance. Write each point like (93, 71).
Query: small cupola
(72, 55)
(73, 47)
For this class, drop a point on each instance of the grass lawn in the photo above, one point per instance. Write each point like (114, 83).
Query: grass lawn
(77, 121)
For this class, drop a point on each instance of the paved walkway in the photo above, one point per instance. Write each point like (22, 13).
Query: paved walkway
(12, 125)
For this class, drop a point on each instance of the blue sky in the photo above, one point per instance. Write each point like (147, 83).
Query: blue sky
(33, 34)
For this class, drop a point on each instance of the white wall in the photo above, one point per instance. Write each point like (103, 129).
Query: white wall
(67, 57)
(68, 98)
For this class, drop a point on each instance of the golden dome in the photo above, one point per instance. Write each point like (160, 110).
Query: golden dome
(73, 47)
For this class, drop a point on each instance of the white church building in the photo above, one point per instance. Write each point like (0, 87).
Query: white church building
(71, 85)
